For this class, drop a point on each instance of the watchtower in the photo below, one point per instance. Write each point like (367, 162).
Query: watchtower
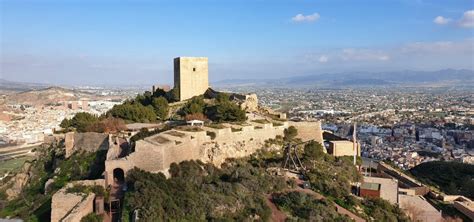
(191, 76)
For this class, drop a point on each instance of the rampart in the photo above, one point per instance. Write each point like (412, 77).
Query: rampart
(158, 152)
(89, 142)
(309, 131)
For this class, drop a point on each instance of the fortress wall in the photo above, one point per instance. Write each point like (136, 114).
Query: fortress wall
(308, 131)
(62, 203)
(238, 144)
(149, 156)
(85, 207)
(125, 164)
(152, 156)
(187, 150)
(90, 142)
(71, 206)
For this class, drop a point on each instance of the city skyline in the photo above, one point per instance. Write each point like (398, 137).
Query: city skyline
(104, 42)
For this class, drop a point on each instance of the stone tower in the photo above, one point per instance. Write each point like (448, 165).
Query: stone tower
(191, 76)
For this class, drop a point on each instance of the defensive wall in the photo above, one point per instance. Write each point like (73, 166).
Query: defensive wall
(72, 207)
(308, 131)
(156, 153)
(404, 181)
(90, 142)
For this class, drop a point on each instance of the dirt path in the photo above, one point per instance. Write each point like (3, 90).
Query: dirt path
(277, 215)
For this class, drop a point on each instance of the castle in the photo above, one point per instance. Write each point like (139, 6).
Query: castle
(156, 153)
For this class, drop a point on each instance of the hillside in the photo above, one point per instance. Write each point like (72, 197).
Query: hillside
(44, 96)
(451, 177)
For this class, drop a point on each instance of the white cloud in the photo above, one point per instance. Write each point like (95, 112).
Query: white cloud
(352, 54)
(411, 55)
(440, 20)
(323, 59)
(441, 47)
(306, 18)
(467, 20)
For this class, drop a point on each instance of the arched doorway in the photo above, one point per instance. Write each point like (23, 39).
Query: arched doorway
(119, 176)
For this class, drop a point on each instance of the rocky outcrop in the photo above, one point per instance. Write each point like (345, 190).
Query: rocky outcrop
(16, 184)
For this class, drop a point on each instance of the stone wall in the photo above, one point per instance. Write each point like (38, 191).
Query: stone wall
(244, 142)
(158, 152)
(309, 131)
(89, 142)
(71, 206)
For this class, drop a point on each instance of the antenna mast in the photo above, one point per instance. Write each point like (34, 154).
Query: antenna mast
(354, 142)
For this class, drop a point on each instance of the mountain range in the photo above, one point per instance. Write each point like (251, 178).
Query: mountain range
(440, 78)
(446, 77)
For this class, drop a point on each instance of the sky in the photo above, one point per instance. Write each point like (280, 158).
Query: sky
(134, 42)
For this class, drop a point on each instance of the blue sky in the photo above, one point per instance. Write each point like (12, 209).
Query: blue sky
(123, 42)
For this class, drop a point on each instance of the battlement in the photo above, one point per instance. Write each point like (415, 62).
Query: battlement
(156, 153)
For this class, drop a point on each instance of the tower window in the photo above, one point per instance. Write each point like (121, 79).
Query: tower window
(194, 69)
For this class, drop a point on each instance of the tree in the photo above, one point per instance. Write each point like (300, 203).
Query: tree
(195, 116)
(313, 150)
(160, 105)
(107, 125)
(81, 121)
(173, 95)
(222, 97)
(159, 93)
(195, 105)
(133, 112)
(290, 133)
(230, 112)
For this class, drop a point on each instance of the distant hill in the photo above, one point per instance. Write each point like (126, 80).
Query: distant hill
(47, 95)
(446, 77)
(19, 86)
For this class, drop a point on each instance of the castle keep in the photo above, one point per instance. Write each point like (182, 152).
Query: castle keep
(191, 76)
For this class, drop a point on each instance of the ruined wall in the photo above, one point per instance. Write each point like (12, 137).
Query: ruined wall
(89, 142)
(191, 76)
(82, 209)
(73, 207)
(62, 204)
(309, 131)
(228, 144)
(69, 143)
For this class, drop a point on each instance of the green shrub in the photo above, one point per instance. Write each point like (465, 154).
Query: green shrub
(92, 217)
